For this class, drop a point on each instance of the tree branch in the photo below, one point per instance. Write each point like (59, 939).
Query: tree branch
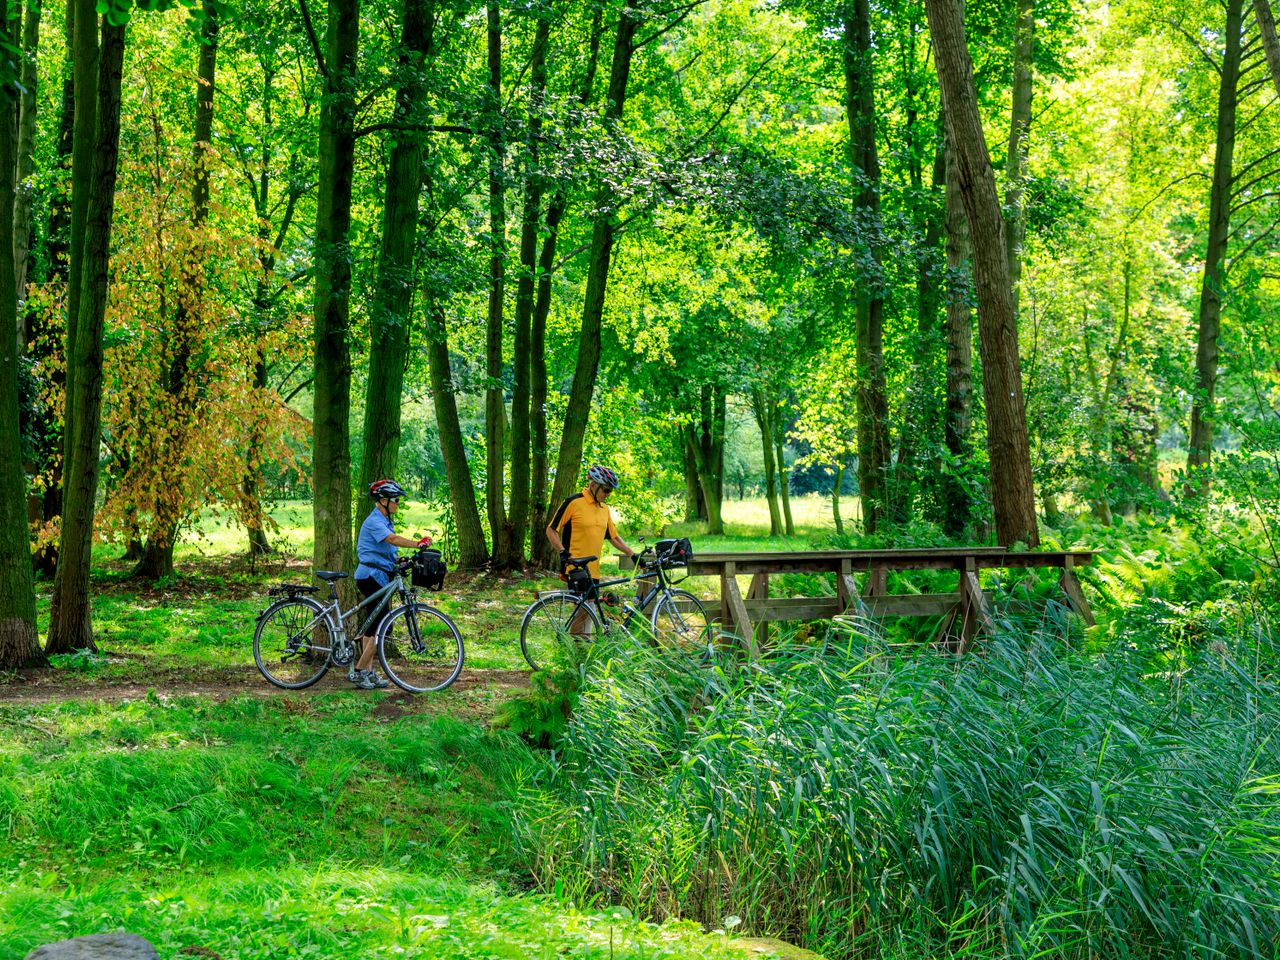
(311, 35)
(415, 127)
(684, 13)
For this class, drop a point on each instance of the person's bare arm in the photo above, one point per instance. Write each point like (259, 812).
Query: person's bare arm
(398, 541)
(621, 545)
(553, 537)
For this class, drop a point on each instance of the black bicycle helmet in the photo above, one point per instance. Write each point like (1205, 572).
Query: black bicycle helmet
(603, 476)
(385, 489)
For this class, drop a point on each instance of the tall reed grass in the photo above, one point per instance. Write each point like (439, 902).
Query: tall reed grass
(1023, 801)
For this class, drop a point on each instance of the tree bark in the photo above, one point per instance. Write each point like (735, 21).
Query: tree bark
(760, 407)
(71, 625)
(873, 404)
(1213, 281)
(472, 552)
(25, 186)
(495, 410)
(541, 552)
(1019, 129)
(18, 644)
(522, 494)
(569, 462)
(835, 500)
(693, 508)
(393, 296)
(784, 481)
(959, 331)
(331, 445)
(1007, 444)
(1270, 43)
(707, 478)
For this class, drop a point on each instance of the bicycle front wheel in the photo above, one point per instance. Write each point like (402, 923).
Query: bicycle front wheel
(292, 643)
(552, 623)
(680, 621)
(420, 648)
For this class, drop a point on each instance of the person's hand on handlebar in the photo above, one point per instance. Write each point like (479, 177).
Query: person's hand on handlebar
(425, 541)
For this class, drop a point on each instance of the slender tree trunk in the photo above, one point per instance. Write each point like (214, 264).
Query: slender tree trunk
(495, 402)
(71, 627)
(706, 479)
(1270, 43)
(1007, 443)
(693, 508)
(1019, 129)
(393, 296)
(541, 553)
(156, 561)
(784, 482)
(760, 407)
(25, 187)
(1213, 282)
(959, 331)
(472, 552)
(569, 462)
(331, 443)
(259, 544)
(873, 404)
(18, 643)
(835, 499)
(530, 221)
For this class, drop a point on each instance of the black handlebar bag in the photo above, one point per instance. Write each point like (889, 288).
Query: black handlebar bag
(429, 570)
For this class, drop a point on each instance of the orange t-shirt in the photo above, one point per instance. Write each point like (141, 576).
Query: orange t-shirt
(583, 524)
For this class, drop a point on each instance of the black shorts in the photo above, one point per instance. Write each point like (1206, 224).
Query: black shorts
(368, 587)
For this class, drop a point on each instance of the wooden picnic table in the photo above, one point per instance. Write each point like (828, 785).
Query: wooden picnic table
(968, 603)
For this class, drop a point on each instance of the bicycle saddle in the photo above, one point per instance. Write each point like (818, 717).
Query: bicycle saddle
(331, 575)
(581, 561)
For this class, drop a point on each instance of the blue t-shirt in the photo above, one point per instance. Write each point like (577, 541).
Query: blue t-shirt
(377, 557)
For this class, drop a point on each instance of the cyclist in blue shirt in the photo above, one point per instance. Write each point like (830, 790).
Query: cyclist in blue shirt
(376, 551)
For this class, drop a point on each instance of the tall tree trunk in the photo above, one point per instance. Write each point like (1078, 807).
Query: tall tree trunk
(760, 405)
(71, 625)
(331, 443)
(18, 643)
(1019, 128)
(472, 552)
(156, 560)
(569, 462)
(1270, 43)
(784, 482)
(25, 186)
(522, 494)
(541, 552)
(959, 329)
(706, 479)
(495, 409)
(873, 404)
(693, 508)
(393, 295)
(1213, 282)
(1007, 445)
(835, 499)
(259, 544)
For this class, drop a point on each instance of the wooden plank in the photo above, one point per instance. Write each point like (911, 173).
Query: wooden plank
(1075, 596)
(731, 599)
(759, 590)
(977, 610)
(877, 584)
(912, 605)
(792, 608)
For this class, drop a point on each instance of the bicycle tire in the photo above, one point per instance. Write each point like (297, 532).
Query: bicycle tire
(545, 626)
(285, 646)
(683, 629)
(420, 648)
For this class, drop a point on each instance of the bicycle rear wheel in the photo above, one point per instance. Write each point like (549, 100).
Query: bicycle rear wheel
(420, 648)
(292, 643)
(680, 621)
(549, 626)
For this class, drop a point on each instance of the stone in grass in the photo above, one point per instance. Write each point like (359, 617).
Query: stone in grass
(101, 946)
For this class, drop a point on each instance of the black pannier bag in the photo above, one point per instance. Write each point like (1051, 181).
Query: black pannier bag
(673, 553)
(579, 580)
(429, 570)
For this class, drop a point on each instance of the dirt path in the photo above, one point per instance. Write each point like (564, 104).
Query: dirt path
(53, 686)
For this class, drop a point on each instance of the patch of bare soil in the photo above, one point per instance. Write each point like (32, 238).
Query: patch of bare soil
(475, 694)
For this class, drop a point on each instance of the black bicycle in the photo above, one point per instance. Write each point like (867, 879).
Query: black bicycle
(669, 617)
(298, 638)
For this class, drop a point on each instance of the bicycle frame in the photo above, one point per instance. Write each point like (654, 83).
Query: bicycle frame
(657, 588)
(332, 607)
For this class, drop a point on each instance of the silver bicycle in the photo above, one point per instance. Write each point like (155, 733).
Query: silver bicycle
(298, 638)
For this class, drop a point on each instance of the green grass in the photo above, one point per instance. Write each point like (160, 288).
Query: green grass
(1031, 801)
(290, 827)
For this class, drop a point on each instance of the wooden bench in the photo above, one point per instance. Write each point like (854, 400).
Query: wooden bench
(746, 615)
